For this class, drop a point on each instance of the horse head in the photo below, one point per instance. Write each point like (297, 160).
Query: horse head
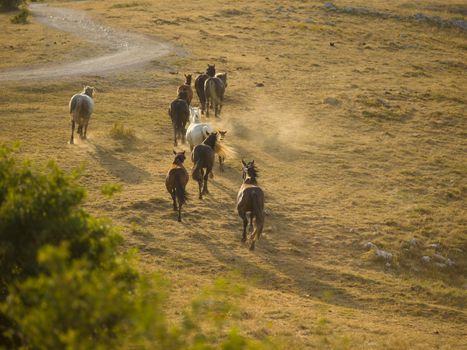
(188, 78)
(222, 134)
(179, 157)
(195, 115)
(223, 77)
(88, 90)
(249, 170)
(211, 71)
(183, 95)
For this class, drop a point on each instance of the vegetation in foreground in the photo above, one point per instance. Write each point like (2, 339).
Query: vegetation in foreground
(66, 284)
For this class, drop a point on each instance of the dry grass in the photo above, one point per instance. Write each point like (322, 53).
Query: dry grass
(385, 163)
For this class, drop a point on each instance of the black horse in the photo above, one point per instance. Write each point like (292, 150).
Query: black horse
(199, 85)
(179, 113)
(203, 158)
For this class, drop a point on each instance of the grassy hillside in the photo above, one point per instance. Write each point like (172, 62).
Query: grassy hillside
(359, 141)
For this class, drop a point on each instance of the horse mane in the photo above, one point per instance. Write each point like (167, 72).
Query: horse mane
(224, 150)
(88, 90)
(212, 138)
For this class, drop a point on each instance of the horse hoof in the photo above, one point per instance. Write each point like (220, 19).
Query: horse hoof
(179, 220)
(252, 247)
(243, 239)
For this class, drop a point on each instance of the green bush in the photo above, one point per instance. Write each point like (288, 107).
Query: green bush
(66, 285)
(42, 208)
(22, 16)
(8, 5)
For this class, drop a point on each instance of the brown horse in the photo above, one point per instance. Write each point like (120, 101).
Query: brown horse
(187, 88)
(179, 113)
(81, 108)
(214, 89)
(203, 158)
(199, 85)
(175, 182)
(250, 198)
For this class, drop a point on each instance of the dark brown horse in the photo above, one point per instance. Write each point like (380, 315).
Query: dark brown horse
(179, 113)
(199, 85)
(250, 199)
(203, 158)
(175, 182)
(187, 88)
(214, 89)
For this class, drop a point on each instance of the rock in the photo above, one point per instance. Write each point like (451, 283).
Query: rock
(450, 263)
(329, 6)
(434, 246)
(383, 254)
(426, 259)
(370, 245)
(332, 101)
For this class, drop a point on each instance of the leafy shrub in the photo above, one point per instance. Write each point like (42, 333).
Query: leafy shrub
(42, 208)
(120, 132)
(22, 16)
(8, 5)
(66, 285)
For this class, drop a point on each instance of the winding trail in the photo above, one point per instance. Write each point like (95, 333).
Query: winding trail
(127, 50)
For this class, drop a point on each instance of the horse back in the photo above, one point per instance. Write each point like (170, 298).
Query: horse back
(179, 111)
(199, 84)
(203, 153)
(246, 195)
(81, 106)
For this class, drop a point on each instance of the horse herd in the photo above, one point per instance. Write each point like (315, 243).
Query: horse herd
(205, 142)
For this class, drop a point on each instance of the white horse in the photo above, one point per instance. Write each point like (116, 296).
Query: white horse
(197, 133)
(81, 108)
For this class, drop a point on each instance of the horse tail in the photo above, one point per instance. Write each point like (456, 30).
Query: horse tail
(180, 191)
(258, 211)
(196, 171)
(199, 86)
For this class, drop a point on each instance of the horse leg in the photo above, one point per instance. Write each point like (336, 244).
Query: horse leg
(200, 183)
(245, 224)
(180, 212)
(207, 107)
(85, 127)
(221, 163)
(175, 136)
(184, 135)
(174, 198)
(252, 215)
(205, 178)
(72, 131)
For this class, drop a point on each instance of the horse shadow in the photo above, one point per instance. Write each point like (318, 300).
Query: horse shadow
(120, 168)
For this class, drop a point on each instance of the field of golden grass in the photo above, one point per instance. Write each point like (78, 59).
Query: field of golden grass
(362, 141)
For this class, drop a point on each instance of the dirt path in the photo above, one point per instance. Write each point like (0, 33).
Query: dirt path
(124, 50)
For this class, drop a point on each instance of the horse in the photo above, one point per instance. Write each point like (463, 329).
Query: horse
(214, 89)
(199, 85)
(81, 107)
(203, 158)
(223, 77)
(179, 113)
(175, 182)
(250, 199)
(197, 133)
(187, 88)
